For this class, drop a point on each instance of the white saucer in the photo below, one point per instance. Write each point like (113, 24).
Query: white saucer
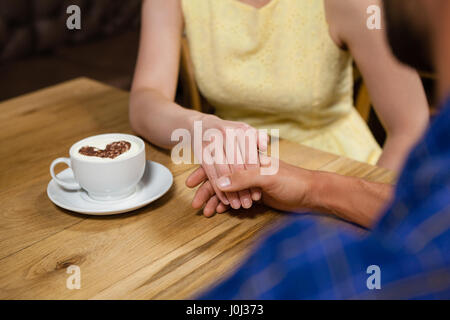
(156, 181)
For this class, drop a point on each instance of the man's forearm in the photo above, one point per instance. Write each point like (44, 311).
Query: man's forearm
(352, 199)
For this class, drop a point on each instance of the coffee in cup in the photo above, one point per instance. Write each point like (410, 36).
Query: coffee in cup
(107, 166)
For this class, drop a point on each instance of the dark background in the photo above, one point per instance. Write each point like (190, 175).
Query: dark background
(37, 49)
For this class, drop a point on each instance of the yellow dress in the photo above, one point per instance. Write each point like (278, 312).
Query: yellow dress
(276, 67)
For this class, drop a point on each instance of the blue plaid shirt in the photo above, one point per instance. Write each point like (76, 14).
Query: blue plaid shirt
(311, 258)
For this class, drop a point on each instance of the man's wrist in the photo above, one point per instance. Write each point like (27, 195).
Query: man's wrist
(323, 191)
(314, 190)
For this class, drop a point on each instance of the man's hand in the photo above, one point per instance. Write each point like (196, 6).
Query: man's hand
(287, 190)
(296, 189)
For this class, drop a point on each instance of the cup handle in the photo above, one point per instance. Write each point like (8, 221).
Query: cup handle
(65, 184)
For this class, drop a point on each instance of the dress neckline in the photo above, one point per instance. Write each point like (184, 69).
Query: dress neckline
(253, 8)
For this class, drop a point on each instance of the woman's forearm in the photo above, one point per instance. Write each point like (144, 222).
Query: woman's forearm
(352, 199)
(396, 149)
(155, 117)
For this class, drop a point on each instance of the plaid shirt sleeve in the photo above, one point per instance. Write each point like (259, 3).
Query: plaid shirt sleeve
(310, 258)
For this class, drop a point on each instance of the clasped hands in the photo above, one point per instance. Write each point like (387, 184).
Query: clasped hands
(240, 182)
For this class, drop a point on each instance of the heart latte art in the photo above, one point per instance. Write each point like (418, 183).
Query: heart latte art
(112, 150)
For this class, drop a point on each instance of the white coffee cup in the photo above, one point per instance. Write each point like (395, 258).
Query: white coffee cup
(104, 178)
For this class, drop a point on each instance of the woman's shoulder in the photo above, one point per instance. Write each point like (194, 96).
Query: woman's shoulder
(347, 18)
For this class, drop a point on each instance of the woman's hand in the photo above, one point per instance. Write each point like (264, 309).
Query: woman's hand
(236, 151)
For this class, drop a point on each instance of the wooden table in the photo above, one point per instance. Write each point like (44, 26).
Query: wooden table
(165, 250)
